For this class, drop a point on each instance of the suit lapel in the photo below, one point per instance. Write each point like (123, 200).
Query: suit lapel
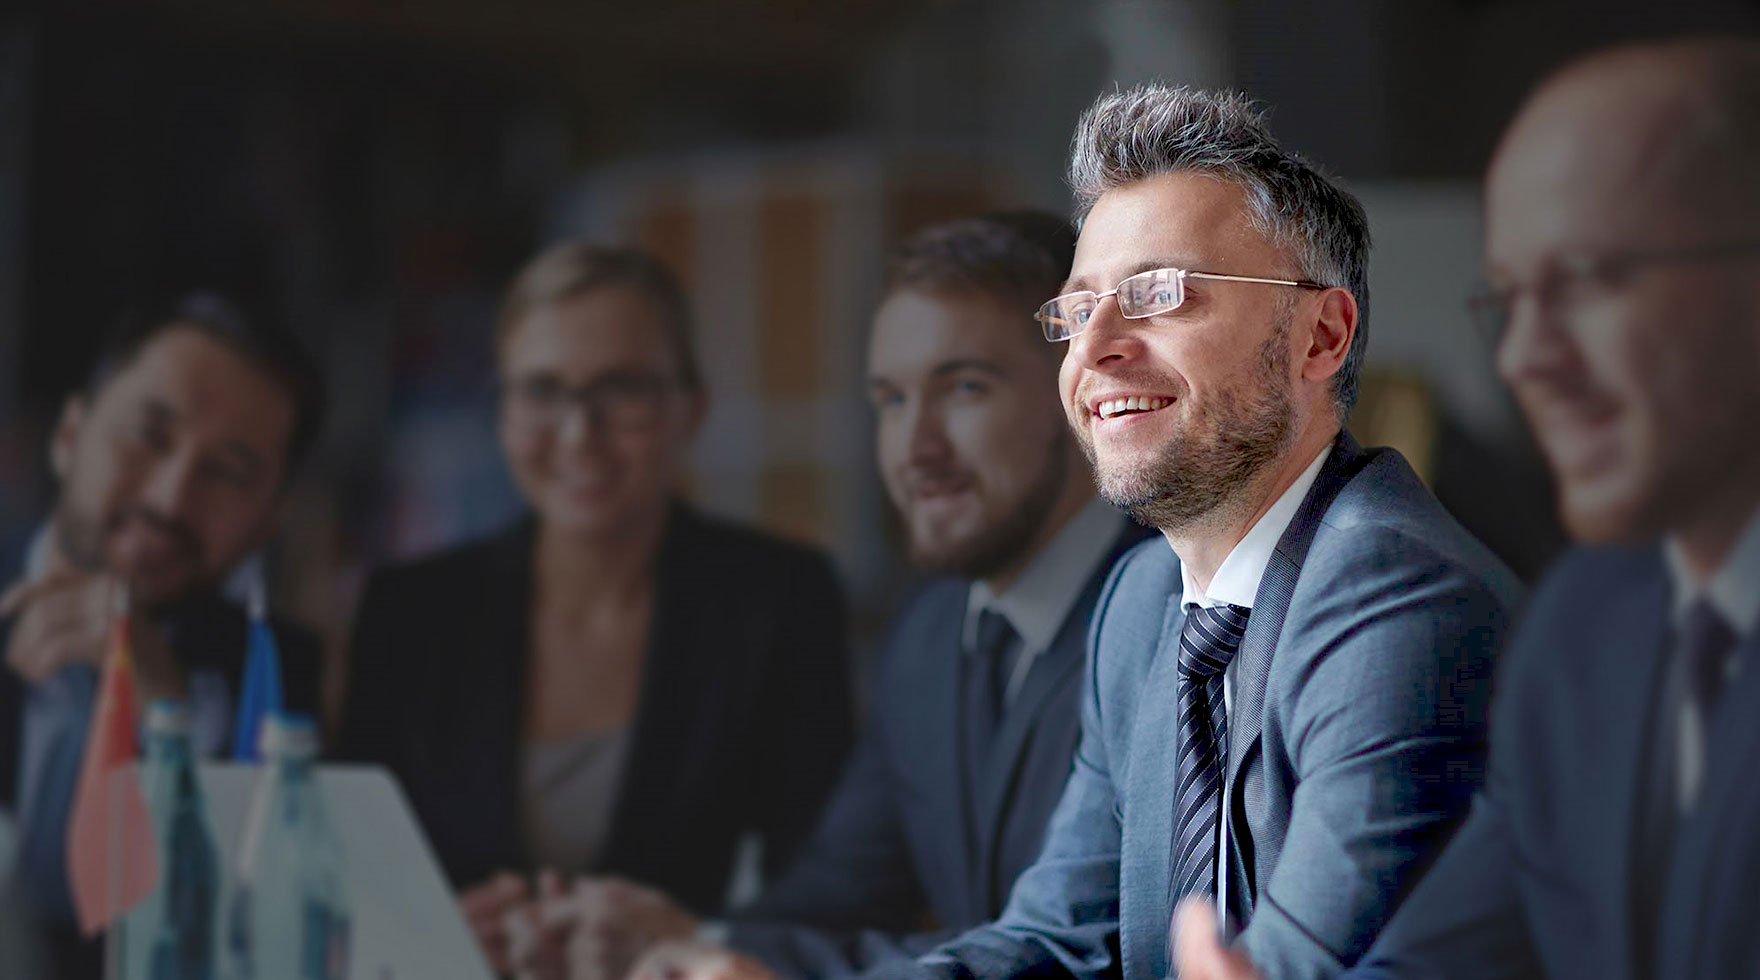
(500, 659)
(1722, 816)
(944, 684)
(675, 678)
(1154, 777)
(1008, 752)
(1252, 662)
(1623, 704)
(1044, 681)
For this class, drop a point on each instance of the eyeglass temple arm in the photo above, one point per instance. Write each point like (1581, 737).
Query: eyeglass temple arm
(1304, 283)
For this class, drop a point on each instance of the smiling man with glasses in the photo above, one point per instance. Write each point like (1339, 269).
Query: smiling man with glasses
(1616, 835)
(1284, 702)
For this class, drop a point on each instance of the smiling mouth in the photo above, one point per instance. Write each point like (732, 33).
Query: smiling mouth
(1114, 407)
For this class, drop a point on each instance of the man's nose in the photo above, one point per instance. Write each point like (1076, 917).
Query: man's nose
(1535, 342)
(928, 433)
(1108, 338)
(172, 488)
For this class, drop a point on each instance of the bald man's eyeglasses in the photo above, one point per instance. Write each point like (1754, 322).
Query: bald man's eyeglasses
(1577, 278)
(1145, 294)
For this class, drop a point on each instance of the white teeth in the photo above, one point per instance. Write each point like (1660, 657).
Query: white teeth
(1135, 403)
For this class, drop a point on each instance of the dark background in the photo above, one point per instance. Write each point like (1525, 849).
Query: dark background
(375, 171)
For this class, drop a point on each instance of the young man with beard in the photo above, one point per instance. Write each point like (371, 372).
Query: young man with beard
(171, 464)
(1284, 701)
(974, 705)
(1616, 838)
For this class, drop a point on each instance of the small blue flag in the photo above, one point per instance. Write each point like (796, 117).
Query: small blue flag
(260, 694)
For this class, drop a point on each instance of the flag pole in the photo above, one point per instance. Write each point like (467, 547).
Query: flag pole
(118, 931)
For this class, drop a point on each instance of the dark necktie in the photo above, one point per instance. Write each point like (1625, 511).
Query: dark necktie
(987, 672)
(1705, 644)
(1207, 642)
(1700, 651)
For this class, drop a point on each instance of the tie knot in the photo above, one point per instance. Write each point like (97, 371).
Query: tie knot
(994, 634)
(1706, 640)
(1209, 638)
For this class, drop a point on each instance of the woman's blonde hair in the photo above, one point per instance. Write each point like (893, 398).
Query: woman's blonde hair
(567, 270)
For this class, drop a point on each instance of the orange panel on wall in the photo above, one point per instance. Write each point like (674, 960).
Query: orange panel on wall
(793, 499)
(790, 287)
(669, 231)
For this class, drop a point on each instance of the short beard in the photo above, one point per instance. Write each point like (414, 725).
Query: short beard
(1008, 540)
(1194, 477)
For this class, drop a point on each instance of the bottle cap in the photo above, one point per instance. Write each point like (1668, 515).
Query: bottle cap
(167, 716)
(288, 734)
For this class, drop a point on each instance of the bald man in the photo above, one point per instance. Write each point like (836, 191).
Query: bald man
(1618, 837)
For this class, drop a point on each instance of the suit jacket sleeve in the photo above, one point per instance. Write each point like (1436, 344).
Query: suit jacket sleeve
(811, 716)
(1062, 916)
(1384, 725)
(852, 896)
(1464, 919)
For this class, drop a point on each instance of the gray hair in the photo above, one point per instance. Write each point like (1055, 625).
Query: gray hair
(1156, 129)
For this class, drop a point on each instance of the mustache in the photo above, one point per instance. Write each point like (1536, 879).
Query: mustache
(914, 477)
(183, 537)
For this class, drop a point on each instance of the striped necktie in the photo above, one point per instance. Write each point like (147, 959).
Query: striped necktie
(1207, 642)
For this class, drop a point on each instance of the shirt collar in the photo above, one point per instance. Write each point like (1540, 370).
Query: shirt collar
(1237, 579)
(36, 557)
(1039, 600)
(1734, 590)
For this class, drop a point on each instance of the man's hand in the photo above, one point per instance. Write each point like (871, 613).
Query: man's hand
(695, 961)
(66, 616)
(486, 909)
(615, 923)
(1199, 952)
(63, 618)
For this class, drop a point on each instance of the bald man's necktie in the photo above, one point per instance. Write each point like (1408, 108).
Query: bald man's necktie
(1207, 642)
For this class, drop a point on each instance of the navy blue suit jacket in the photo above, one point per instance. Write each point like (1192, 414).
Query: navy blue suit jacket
(1355, 742)
(743, 724)
(1541, 880)
(891, 869)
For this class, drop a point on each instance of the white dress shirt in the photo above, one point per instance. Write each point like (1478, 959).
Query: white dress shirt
(1040, 598)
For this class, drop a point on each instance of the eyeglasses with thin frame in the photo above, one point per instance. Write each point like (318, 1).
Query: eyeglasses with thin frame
(1145, 294)
(625, 400)
(1574, 279)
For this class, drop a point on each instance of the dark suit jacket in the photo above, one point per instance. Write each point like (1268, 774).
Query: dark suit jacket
(1541, 880)
(1355, 742)
(892, 847)
(208, 633)
(743, 723)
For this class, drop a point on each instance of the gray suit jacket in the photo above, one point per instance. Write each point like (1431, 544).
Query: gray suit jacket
(1543, 879)
(1356, 740)
(892, 852)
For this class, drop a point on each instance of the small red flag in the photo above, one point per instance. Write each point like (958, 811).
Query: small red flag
(112, 858)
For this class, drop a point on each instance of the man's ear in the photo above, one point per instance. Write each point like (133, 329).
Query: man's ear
(65, 435)
(1331, 329)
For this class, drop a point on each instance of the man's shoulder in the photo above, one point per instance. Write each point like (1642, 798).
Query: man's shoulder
(1132, 606)
(927, 625)
(1591, 601)
(1384, 520)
